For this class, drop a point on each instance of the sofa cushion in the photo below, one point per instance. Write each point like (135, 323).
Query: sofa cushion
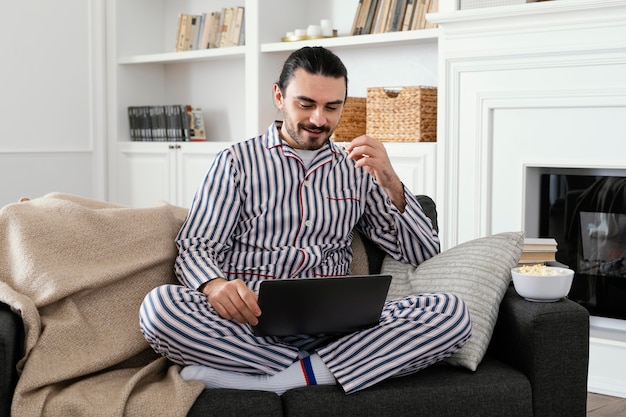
(494, 390)
(234, 402)
(479, 271)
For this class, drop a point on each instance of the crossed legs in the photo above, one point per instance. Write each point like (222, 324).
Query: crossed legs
(414, 332)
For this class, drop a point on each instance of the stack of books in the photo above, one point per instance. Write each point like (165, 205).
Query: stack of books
(538, 251)
(169, 123)
(381, 16)
(217, 29)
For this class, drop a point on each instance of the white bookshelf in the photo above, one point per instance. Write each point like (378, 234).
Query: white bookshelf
(233, 85)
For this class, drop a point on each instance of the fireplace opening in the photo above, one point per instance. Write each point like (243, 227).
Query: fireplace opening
(585, 211)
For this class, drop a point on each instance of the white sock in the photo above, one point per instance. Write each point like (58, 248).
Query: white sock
(307, 371)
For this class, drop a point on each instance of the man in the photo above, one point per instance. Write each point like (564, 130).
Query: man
(283, 206)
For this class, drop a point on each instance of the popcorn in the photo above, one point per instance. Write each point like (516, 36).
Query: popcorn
(538, 269)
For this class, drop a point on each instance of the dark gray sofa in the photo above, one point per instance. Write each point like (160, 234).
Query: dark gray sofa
(536, 365)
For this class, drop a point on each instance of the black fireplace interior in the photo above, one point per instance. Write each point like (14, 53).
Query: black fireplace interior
(586, 214)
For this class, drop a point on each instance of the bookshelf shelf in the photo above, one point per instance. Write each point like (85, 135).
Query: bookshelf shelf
(393, 38)
(186, 56)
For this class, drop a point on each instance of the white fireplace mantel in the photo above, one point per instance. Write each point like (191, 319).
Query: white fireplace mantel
(534, 85)
(544, 68)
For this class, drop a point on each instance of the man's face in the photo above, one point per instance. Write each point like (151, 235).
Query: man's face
(311, 107)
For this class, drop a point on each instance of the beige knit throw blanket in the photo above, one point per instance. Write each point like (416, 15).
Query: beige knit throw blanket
(76, 270)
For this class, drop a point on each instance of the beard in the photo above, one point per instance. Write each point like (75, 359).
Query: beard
(299, 134)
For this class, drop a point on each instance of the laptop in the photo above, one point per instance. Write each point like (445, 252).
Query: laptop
(332, 305)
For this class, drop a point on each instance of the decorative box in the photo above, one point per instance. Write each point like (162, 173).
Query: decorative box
(404, 114)
(352, 123)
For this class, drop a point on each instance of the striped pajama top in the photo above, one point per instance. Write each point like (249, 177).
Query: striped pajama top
(260, 214)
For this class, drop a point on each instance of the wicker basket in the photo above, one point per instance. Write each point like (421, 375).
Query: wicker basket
(407, 114)
(352, 123)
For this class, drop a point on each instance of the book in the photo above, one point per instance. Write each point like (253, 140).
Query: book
(180, 34)
(197, 31)
(145, 123)
(214, 29)
(236, 25)
(170, 125)
(220, 28)
(409, 14)
(189, 32)
(154, 123)
(536, 257)
(206, 31)
(370, 18)
(132, 122)
(433, 8)
(357, 15)
(227, 16)
(186, 34)
(362, 17)
(177, 124)
(538, 250)
(538, 244)
(422, 21)
(242, 32)
(418, 12)
(185, 128)
(397, 16)
(197, 131)
(382, 16)
(157, 123)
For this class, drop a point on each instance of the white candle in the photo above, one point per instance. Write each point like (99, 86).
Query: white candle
(314, 30)
(327, 28)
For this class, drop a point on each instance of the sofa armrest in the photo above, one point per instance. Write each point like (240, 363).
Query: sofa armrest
(11, 347)
(549, 343)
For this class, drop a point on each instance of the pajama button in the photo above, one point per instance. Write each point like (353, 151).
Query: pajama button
(308, 223)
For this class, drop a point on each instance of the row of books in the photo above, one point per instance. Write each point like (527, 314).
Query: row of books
(381, 16)
(538, 251)
(167, 123)
(216, 29)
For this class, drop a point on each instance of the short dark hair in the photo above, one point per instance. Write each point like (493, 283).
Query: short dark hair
(315, 60)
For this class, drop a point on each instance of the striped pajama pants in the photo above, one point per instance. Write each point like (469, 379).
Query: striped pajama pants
(413, 333)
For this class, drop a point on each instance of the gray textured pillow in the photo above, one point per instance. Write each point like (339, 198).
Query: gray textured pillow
(478, 271)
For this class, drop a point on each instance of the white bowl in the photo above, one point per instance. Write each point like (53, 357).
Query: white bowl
(552, 286)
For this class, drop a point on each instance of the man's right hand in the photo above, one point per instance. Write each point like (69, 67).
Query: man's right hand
(233, 300)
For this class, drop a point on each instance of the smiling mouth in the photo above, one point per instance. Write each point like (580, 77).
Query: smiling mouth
(315, 131)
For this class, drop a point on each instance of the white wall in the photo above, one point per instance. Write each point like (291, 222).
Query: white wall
(51, 101)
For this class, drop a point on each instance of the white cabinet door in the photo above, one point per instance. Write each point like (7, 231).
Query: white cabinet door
(149, 172)
(415, 165)
(193, 161)
(144, 173)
